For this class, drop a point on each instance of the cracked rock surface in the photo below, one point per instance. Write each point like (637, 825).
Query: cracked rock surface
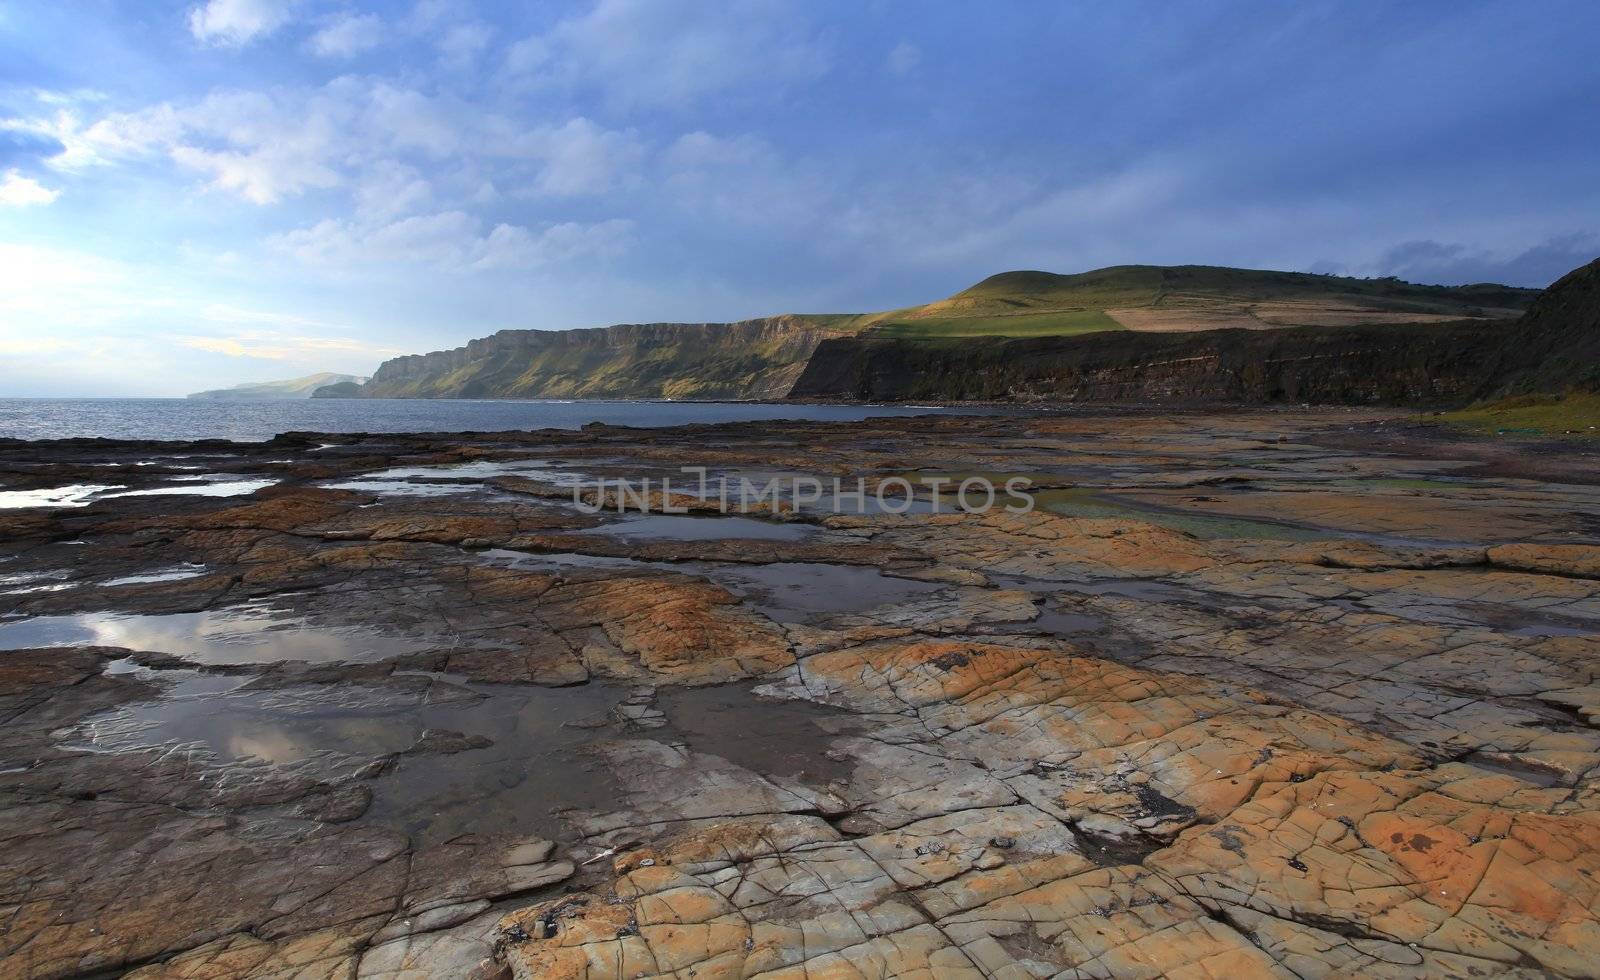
(1266, 693)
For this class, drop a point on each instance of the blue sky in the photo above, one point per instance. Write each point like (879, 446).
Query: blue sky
(195, 194)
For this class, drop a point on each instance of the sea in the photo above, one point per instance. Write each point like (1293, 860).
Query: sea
(257, 421)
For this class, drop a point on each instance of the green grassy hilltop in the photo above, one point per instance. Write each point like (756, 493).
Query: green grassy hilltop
(1167, 299)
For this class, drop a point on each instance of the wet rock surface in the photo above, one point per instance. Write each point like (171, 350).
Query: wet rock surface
(1247, 694)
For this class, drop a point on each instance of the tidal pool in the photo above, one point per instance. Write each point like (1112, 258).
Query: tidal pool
(199, 488)
(170, 575)
(403, 488)
(249, 634)
(73, 495)
(681, 527)
(771, 736)
(515, 760)
(793, 590)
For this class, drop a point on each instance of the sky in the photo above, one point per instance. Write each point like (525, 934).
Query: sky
(199, 194)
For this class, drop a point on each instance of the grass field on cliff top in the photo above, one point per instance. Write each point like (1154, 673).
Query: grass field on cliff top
(1055, 324)
(1046, 304)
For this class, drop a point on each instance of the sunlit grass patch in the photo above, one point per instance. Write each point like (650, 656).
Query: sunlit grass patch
(1574, 413)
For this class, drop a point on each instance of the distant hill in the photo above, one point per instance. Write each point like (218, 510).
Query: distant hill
(764, 358)
(293, 388)
(1181, 298)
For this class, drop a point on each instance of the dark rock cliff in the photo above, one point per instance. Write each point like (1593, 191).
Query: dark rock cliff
(1414, 364)
(1556, 344)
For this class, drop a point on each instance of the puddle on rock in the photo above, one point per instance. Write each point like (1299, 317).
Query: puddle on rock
(514, 759)
(784, 591)
(1510, 765)
(218, 488)
(402, 488)
(770, 736)
(455, 478)
(679, 527)
(1059, 622)
(75, 495)
(1086, 502)
(554, 561)
(536, 767)
(1122, 588)
(791, 590)
(170, 575)
(247, 634)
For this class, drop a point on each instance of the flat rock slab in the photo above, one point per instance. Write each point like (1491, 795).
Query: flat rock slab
(1268, 693)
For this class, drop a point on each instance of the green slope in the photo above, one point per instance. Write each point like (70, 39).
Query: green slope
(1193, 297)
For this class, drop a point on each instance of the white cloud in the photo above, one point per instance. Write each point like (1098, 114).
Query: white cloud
(428, 14)
(389, 189)
(459, 45)
(266, 146)
(581, 157)
(347, 35)
(449, 240)
(260, 177)
(903, 59)
(527, 55)
(509, 246)
(672, 54)
(405, 118)
(235, 23)
(275, 346)
(701, 151)
(17, 191)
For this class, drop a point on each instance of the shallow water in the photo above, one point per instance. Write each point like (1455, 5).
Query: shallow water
(533, 768)
(198, 488)
(567, 559)
(536, 769)
(771, 736)
(72, 495)
(790, 591)
(787, 591)
(677, 527)
(255, 421)
(171, 575)
(248, 634)
(1062, 623)
(402, 488)
(1090, 503)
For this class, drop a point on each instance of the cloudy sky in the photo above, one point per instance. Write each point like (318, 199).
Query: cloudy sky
(195, 194)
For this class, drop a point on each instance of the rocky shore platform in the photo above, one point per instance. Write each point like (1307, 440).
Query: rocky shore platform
(1247, 694)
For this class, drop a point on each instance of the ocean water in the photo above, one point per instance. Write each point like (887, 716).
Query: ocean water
(255, 421)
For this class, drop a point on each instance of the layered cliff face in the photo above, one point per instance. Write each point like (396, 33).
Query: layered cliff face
(749, 359)
(1388, 364)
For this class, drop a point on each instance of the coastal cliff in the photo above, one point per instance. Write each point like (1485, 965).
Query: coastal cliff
(1553, 346)
(1131, 311)
(751, 359)
(1381, 364)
